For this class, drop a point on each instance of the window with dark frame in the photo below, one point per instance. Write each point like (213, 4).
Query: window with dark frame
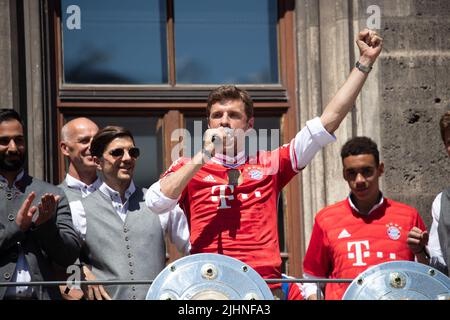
(117, 42)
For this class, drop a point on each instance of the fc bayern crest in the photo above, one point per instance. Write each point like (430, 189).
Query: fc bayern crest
(255, 174)
(393, 231)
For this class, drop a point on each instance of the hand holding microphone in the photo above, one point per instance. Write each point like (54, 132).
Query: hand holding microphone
(228, 134)
(219, 139)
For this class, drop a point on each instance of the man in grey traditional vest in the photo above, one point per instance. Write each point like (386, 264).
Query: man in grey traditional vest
(122, 238)
(35, 221)
(81, 178)
(437, 253)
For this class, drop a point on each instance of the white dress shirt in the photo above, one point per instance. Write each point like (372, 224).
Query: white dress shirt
(434, 246)
(85, 189)
(173, 223)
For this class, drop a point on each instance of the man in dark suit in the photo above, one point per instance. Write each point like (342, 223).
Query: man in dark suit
(35, 221)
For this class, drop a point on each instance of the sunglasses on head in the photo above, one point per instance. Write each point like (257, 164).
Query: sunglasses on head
(119, 152)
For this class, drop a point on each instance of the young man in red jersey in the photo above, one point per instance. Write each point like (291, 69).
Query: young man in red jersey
(231, 200)
(363, 230)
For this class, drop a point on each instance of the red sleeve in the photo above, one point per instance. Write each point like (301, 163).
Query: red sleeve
(317, 261)
(295, 292)
(285, 165)
(176, 165)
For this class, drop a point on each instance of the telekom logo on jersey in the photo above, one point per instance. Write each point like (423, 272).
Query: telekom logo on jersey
(223, 197)
(358, 253)
(359, 250)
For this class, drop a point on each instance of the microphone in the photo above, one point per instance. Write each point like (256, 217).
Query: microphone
(228, 131)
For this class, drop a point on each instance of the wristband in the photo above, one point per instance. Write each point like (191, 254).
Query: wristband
(363, 68)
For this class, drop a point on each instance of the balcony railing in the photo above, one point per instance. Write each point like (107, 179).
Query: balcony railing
(75, 283)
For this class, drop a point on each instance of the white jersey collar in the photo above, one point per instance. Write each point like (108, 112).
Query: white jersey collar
(375, 207)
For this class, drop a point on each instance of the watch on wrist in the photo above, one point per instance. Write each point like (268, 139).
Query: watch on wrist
(363, 68)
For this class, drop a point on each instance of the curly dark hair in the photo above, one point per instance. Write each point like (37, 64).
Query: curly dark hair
(360, 145)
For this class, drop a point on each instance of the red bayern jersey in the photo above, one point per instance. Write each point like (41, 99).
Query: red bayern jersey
(238, 221)
(345, 243)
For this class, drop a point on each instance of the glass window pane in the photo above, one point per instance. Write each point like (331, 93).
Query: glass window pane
(114, 41)
(149, 165)
(231, 41)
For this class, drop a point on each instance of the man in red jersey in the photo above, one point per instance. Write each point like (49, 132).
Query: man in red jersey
(230, 199)
(363, 230)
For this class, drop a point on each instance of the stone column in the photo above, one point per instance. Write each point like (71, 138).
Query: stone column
(6, 57)
(21, 74)
(336, 49)
(35, 108)
(326, 33)
(310, 104)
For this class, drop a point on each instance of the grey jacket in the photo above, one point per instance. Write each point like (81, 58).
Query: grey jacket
(71, 194)
(54, 242)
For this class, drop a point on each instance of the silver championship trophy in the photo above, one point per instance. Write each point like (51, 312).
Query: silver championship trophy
(399, 280)
(208, 276)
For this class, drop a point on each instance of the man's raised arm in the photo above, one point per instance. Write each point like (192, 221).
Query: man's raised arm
(370, 45)
(318, 132)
